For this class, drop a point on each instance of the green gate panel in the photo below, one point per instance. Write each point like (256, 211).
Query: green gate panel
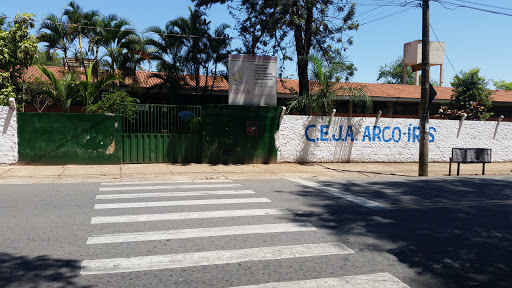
(156, 148)
(160, 134)
(239, 134)
(65, 138)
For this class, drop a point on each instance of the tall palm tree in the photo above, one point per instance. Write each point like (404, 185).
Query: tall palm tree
(62, 91)
(166, 50)
(116, 38)
(79, 22)
(195, 51)
(218, 46)
(55, 32)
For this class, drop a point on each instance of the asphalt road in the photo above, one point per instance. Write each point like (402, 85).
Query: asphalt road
(378, 232)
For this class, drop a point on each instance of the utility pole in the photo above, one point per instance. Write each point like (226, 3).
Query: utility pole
(425, 89)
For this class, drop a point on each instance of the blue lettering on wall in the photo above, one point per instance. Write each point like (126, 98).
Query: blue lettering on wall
(415, 136)
(384, 134)
(398, 132)
(306, 133)
(376, 133)
(340, 133)
(324, 132)
(371, 134)
(367, 134)
(431, 134)
(350, 133)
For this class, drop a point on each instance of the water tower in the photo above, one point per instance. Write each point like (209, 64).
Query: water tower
(412, 57)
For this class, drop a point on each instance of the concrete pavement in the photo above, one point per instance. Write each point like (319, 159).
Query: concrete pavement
(27, 174)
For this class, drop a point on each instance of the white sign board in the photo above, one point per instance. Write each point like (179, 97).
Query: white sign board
(252, 80)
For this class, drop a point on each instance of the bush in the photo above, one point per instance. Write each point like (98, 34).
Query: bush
(111, 102)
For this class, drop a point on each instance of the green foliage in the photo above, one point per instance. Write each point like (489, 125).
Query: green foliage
(7, 90)
(323, 97)
(41, 59)
(502, 85)
(112, 102)
(266, 25)
(89, 89)
(194, 125)
(471, 95)
(17, 50)
(63, 91)
(392, 73)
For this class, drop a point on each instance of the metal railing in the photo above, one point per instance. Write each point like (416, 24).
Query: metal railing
(160, 119)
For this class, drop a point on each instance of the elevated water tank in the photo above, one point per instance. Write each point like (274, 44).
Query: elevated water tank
(412, 57)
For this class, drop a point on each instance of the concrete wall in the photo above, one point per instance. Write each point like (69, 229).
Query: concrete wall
(8, 136)
(58, 138)
(310, 139)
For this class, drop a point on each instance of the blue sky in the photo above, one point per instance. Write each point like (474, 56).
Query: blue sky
(473, 38)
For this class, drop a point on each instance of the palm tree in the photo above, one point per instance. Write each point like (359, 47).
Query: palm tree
(62, 91)
(116, 37)
(329, 88)
(78, 23)
(89, 90)
(218, 45)
(55, 32)
(195, 27)
(166, 50)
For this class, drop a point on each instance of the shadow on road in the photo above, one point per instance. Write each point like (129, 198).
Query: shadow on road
(458, 230)
(40, 271)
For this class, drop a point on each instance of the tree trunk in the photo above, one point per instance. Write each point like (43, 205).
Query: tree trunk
(302, 37)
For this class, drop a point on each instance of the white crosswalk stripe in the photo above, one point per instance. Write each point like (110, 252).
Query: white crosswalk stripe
(185, 215)
(162, 182)
(377, 280)
(180, 203)
(199, 232)
(172, 194)
(167, 187)
(142, 263)
(287, 228)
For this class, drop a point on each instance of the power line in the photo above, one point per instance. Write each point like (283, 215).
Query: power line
(444, 52)
(121, 30)
(390, 15)
(457, 5)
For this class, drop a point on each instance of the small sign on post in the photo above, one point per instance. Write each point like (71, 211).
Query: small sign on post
(470, 155)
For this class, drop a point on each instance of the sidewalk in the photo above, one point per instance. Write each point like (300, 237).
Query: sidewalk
(21, 174)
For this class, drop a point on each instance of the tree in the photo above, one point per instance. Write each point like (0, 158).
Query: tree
(17, 51)
(392, 73)
(57, 34)
(502, 85)
(471, 95)
(166, 51)
(327, 79)
(195, 49)
(78, 21)
(115, 36)
(115, 102)
(312, 24)
(89, 89)
(63, 91)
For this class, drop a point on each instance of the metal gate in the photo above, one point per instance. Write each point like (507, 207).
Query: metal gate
(161, 133)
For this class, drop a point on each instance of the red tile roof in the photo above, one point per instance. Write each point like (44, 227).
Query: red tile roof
(285, 87)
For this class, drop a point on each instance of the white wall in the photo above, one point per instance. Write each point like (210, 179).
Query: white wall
(8, 136)
(391, 140)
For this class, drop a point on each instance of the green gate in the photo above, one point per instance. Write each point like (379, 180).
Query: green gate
(161, 133)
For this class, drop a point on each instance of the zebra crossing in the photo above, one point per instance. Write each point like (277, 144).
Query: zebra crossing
(128, 202)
